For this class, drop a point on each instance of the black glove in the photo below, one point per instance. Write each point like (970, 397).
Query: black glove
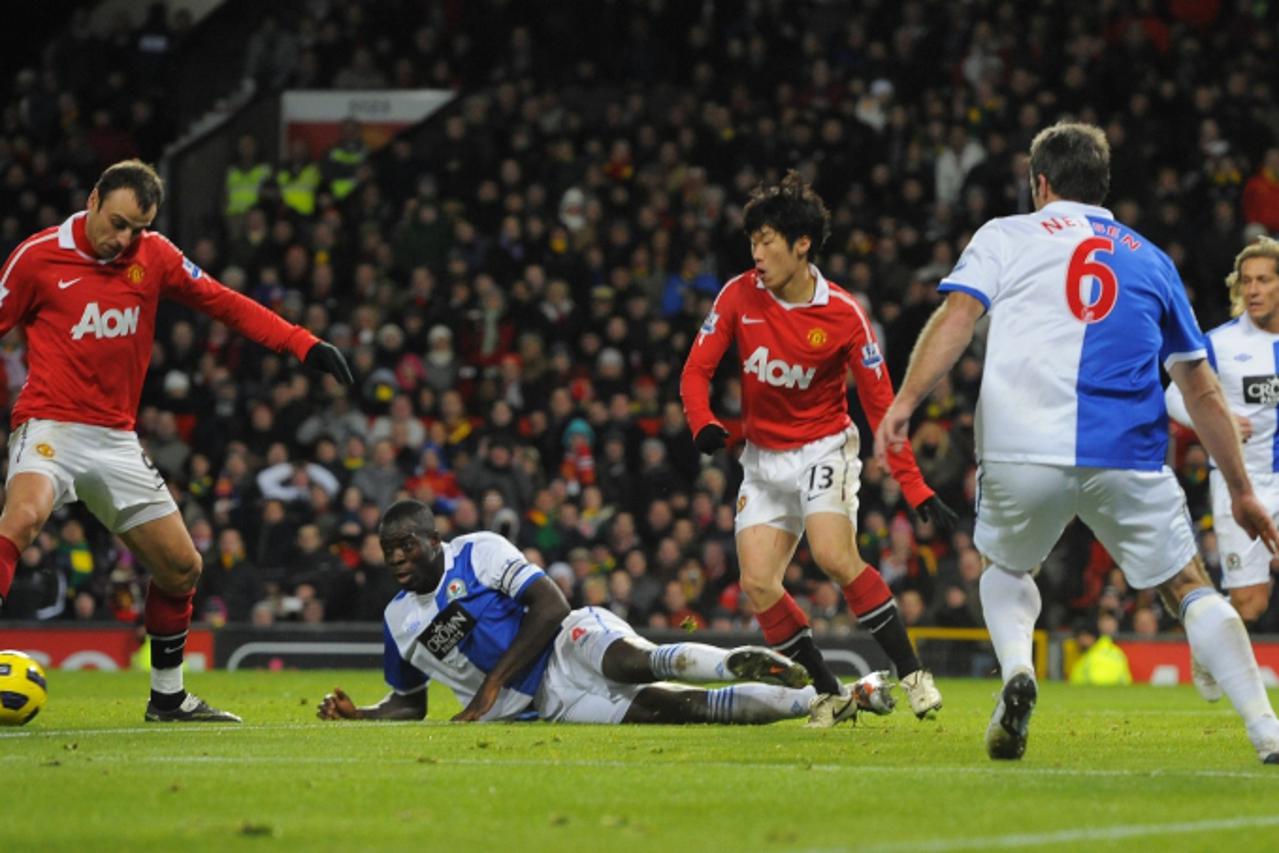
(942, 517)
(711, 438)
(329, 359)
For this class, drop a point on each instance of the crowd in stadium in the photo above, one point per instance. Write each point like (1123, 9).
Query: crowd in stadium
(516, 282)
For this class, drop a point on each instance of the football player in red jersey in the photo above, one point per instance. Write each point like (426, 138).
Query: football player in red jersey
(798, 334)
(85, 292)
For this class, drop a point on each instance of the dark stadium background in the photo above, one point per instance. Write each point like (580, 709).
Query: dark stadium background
(556, 233)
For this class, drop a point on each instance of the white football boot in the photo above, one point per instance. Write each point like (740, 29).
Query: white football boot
(925, 698)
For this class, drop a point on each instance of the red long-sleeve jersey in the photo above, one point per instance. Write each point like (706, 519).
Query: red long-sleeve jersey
(90, 323)
(794, 367)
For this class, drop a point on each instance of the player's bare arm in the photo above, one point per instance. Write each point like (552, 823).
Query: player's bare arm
(941, 343)
(1217, 429)
(547, 608)
(394, 706)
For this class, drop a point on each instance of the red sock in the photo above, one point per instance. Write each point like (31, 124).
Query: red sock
(8, 563)
(167, 615)
(782, 621)
(866, 592)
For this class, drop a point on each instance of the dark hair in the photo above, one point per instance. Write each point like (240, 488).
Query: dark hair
(414, 515)
(1075, 158)
(135, 175)
(791, 208)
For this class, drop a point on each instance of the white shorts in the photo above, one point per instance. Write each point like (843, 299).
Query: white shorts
(1139, 516)
(105, 468)
(781, 488)
(1244, 560)
(574, 689)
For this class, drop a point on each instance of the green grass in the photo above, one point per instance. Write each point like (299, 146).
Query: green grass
(1127, 768)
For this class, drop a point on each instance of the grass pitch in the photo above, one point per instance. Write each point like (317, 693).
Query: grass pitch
(1124, 768)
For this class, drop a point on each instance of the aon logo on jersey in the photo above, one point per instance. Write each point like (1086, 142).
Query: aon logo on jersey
(111, 323)
(776, 372)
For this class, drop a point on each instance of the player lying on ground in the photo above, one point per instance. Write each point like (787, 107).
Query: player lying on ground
(478, 617)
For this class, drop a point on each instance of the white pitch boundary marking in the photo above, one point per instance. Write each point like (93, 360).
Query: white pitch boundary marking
(1071, 836)
(1000, 770)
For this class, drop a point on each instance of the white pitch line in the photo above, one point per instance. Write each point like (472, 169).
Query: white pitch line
(1072, 836)
(637, 761)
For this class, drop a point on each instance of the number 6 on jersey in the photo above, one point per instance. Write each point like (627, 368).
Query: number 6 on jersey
(1082, 272)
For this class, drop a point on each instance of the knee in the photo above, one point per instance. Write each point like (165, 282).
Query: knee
(840, 562)
(182, 572)
(762, 588)
(22, 523)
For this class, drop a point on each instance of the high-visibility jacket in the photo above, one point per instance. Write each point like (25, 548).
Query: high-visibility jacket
(298, 187)
(243, 187)
(344, 163)
(1105, 664)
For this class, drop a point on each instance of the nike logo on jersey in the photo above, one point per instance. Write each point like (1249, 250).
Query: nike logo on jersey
(750, 321)
(63, 285)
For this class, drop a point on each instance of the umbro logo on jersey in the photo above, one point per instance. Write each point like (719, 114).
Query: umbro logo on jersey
(63, 285)
(751, 321)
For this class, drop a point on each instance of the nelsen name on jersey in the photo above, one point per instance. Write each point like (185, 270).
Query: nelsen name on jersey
(795, 361)
(90, 323)
(1083, 310)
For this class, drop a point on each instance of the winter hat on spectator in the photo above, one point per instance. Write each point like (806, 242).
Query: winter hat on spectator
(578, 427)
(176, 383)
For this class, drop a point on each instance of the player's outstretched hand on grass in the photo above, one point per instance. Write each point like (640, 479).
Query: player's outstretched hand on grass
(484, 699)
(329, 359)
(337, 706)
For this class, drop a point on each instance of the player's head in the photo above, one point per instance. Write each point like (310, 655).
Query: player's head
(1070, 161)
(787, 223)
(1254, 283)
(411, 545)
(121, 206)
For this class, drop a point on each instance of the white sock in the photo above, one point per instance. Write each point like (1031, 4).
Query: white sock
(166, 680)
(1220, 643)
(690, 662)
(758, 703)
(1010, 604)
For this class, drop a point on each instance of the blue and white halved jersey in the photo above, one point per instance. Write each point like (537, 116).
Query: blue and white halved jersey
(1247, 360)
(1083, 310)
(457, 633)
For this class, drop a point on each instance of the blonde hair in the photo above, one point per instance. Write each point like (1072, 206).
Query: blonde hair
(1263, 247)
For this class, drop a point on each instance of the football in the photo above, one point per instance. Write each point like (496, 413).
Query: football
(874, 693)
(23, 688)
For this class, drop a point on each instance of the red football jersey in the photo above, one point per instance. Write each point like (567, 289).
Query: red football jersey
(90, 323)
(794, 366)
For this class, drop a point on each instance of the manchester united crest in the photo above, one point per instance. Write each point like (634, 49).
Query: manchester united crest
(817, 337)
(45, 450)
(741, 502)
(136, 273)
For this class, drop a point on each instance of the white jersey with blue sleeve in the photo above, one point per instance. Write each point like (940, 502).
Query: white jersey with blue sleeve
(1246, 358)
(1083, 310)
(457, 633)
